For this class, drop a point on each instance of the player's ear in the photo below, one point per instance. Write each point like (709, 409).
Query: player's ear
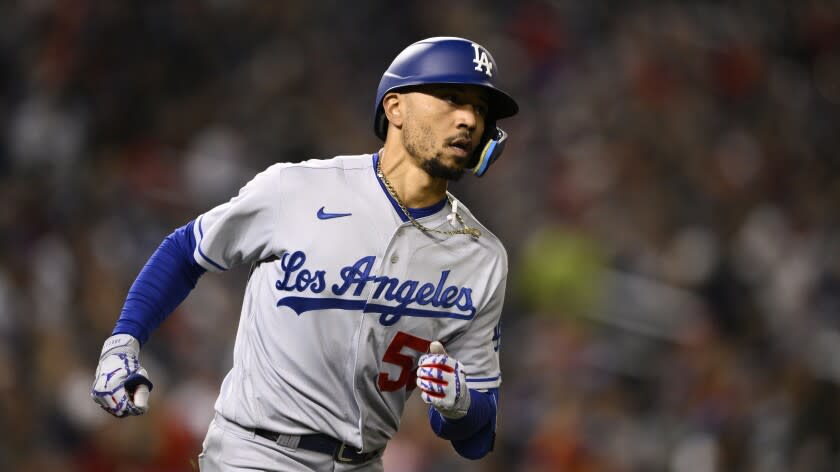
(393, 104)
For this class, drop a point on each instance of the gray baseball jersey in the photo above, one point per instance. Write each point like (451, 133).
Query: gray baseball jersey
(345, 300)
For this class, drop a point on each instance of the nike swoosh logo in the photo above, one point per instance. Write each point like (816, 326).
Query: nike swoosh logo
(322, 215)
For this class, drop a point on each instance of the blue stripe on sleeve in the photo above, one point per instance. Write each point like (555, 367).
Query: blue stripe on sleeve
(200, 252)
(483, 379)
(473, 435)
(165, 281)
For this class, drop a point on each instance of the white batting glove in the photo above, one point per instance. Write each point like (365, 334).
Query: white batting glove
(121, 386)
(443, 382)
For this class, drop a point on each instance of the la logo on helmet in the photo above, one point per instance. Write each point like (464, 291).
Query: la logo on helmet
(482, 61)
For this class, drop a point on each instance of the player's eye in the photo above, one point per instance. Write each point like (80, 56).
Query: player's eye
(457, 99)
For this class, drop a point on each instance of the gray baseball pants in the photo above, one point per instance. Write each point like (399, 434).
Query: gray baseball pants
(230, 447)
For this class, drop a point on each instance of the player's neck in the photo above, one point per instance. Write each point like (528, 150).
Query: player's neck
(415, 187)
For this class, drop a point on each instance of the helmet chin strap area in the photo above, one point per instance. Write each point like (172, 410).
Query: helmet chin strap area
(488, 153)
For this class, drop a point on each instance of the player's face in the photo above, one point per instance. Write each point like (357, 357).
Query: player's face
(443, 127)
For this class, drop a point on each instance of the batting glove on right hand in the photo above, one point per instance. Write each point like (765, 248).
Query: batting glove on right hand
(121, 386)
(443, 382)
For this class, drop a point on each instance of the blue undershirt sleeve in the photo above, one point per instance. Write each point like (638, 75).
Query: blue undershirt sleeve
(473, 435)
(165, 281)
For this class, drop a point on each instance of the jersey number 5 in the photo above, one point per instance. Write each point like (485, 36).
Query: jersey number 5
(394, 355)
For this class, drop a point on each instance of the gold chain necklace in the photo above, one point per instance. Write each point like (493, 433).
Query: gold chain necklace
(474, 232)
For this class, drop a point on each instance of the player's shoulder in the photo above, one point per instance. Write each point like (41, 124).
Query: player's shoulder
(310, 172)
(341, 163)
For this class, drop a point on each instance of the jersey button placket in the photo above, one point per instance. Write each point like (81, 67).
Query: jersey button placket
(398, 234)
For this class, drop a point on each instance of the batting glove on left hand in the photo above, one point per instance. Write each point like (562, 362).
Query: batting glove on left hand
(443, 382)
(121, 386)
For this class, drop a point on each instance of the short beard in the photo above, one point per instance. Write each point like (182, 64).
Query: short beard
(436, 169)
(433, 166)
(417, 141)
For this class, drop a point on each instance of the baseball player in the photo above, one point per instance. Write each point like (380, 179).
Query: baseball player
(368, 281)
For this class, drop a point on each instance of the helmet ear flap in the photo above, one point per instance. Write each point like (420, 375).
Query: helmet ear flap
(489, 150)
(380, 124)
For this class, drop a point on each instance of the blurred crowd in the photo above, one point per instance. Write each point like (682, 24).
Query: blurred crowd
(669, 197)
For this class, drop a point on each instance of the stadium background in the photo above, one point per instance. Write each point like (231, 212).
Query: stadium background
(669, 198)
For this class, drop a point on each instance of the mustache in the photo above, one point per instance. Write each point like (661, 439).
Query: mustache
(461, 140)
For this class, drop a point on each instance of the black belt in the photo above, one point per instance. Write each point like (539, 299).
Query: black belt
(326, 445)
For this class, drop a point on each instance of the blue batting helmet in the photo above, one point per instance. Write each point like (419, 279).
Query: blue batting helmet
(450, 60)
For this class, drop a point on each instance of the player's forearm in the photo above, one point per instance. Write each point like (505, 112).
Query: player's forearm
(481, 412)
(165, 281)
(479, 444)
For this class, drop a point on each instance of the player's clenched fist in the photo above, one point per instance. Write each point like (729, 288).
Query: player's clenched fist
(443, 382)
(121, 386)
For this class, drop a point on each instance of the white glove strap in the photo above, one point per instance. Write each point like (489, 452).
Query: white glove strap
(120, 343)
